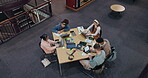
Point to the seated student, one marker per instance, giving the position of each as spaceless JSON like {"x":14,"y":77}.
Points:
{"x":105,"y":45}
{"x":63,"y":26}
{"x":46,"y":44}
{"x":96,"y":29}
{"x":96,"y":61}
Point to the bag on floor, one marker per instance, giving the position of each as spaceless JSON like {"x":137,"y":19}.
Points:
{"x":45,"y":62}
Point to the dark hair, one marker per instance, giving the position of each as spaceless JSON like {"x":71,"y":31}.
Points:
{"x":44,"y":36}
{"x":99,"y":40}
{"x":65,"y":21}
{"x":97,"y":46}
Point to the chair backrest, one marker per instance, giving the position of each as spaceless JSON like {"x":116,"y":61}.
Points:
{"x":100,"y":32}
{"x":105,"y":61}
{"x":112,"y":48}
{"x":98,"y":67}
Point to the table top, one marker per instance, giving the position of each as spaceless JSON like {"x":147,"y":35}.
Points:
{"x":62,"y":51}
{"x":117,"y":8}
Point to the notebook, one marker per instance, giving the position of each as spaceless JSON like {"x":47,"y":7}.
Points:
{"x":70,"y":45}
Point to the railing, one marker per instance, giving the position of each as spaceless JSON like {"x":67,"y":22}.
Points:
{"x":8,"y":1}
{"x":11,"y":27}
{"x":10,"y":4}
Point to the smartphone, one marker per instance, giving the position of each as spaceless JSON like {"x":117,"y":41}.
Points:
{"x":91,"y":38}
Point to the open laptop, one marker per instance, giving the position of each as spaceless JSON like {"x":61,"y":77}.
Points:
{"x":84,"y":34}
{"x":64,"y":35}
{"x":61,"y":43}
{"x":81,"y":30}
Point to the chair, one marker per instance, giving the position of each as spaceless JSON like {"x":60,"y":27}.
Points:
{"x":99,"y":69}
{"x":112,"y":56}
{"x":48,"y":56}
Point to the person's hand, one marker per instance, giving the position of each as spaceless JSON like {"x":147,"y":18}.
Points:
{"x":56,"y":42}
{"x":59,"y":32}
{"x":88,"y":34}
{"x":90,"y":56}
{"x":62,"y":30}
{"x":57,"y":45}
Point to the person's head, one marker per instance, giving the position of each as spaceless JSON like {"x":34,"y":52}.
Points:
{"x":64,"y":23}
{"x":100,"y":41}
{"x":96,"y":23}
{"x":44,"y":37}
{"x":97,"y":47}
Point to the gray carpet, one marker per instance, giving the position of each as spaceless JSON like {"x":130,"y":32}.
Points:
{"x":20,"y":56}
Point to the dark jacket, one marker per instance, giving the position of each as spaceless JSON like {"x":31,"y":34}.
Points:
{"x":59,"y":27}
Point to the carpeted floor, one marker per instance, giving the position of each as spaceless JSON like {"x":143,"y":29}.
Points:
{"x":20,"y":56}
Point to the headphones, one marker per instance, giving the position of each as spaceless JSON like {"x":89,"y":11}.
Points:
{"x":71,"y":56}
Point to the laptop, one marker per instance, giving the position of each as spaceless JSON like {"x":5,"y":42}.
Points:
{"x":84,"y":34}
{"x":61,"y":43}
{"x":79,"y":46}
{"x":64,"y":35}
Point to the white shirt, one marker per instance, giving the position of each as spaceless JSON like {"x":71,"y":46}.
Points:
{"x":97,"y":31}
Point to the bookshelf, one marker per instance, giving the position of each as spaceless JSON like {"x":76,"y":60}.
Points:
{"x":76,"y":5}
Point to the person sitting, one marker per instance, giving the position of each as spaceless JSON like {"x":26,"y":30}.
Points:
{"x":105,"y":45}
{"x":62,"y":27}
{"x":46,"y":44}
{"x":96,"y":30}
{"x":96,"y":61}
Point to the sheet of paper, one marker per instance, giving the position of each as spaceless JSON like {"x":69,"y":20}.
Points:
{"x":58,"y":34}
{"x":89,"y":53}
{"x":88,"y":41}
{"x":86,"y":48}
{"x":83,"y":54}
{"x":45,"y":62}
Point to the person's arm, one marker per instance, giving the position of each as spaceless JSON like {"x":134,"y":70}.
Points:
{"x":55,"y":29}
{"x":98,"y":31}
{"x":51,"y":41}
{"x":67,"y":28}
{"x":89,"y":27}
{"x":47,"y":48}
{"x":51,"y":49}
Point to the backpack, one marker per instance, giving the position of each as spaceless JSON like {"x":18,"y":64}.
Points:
{"x":113,"y":55}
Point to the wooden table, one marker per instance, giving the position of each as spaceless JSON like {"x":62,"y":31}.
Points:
{"x":61,"y":52}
